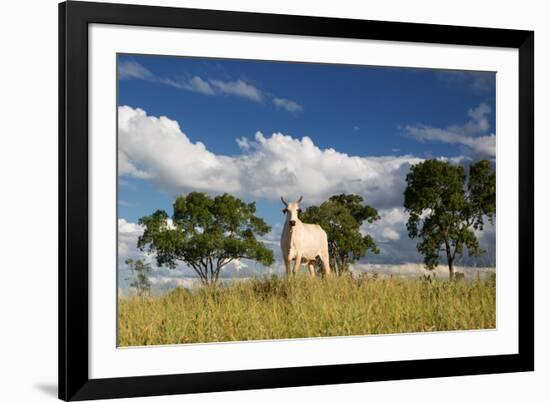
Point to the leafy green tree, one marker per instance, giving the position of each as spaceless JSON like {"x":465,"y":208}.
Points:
{"x":206,"y":233}
{"x":140,"y":281}
{"x":341,"y":217}
{"x":445,"y":207}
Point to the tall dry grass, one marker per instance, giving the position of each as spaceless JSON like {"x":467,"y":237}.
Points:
{"x":279,"y":308}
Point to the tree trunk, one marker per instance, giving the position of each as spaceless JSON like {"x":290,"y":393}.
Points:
{"x":334,"y":263}
{"x":451,"y":270}
{"x":450,"y":260}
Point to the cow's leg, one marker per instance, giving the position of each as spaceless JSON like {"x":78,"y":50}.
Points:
{"x":326,"y":265}
{"x":297,"y":263}
{"x":287,"y":266}
{"x":311,"y":267}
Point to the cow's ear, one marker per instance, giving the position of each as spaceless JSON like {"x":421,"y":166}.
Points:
{"x":285,"y":211}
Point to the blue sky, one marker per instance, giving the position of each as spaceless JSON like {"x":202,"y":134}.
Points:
{"x":251,"y":118}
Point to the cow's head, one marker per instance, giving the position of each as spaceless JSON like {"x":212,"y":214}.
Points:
{"x":291,"y":210}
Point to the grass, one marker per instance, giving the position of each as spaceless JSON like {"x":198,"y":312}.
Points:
{"x":278,"y":308}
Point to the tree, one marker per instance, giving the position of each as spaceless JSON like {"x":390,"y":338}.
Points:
{"x":205,"y":233}
{"x":445,"y":207}
{"x":341,"y":217}
{"x":140,"y":281}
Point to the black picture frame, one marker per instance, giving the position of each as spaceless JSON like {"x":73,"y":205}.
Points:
{"x":74,"y":381}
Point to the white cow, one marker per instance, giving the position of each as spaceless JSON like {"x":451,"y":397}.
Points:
{"x":302,"y":242}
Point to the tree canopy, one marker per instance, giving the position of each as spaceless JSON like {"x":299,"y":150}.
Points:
{"x":206,"y":233}
{"x":445,"y":206}
{"x":341,"y":217}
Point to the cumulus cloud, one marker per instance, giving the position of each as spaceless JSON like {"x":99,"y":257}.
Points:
{"x":128,"y":234}
{"x":155,"y":149}
{"x":396,"y":247}
{"x":472,"y":134}
{"x":288,"y":105}
{"x":244,"y":143}
{"x":390,"y":234}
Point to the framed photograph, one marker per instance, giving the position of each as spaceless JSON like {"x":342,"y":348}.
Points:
{"x":258,"y":201}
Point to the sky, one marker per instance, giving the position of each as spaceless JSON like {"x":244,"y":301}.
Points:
{"x":261,"y":130}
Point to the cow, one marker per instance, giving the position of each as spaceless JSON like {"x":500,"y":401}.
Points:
{"x":302,"y":242}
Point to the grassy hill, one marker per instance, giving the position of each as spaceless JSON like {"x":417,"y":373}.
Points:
{"x":278,"y":308}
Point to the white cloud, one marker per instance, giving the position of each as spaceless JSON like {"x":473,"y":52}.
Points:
{"x":237,"y":265}
{"x":215,"y":87}
{"x":243,"y":143}
{"x":128,"y":69}
{"x":396,"y":247}
{"x":288,"y":105}
{"x":198,"y":84}
{"x":390,"y":234}
{"x":156,"y":149}
{"x":126,"y":167}
{"x":469,"y":134}
{"x":131,"y":69}
{"x":194,"y":84}
{"x":390,"y":218}
{"x":128,"y":234}
{"x":238,"y":88}
{"x":129,"y":227}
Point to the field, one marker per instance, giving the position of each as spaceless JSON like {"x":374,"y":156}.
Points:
{"x":278,"y":308}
